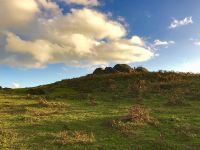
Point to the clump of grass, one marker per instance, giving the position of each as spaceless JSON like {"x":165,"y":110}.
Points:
{"x":69,"y":137}
{"x":44,"y":103}
{"x":138,"y":114}
{"x":136,"y":117}
{"x":125,"y":128}
{"x":39,"y":112}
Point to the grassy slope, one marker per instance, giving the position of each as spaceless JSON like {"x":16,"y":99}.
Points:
{"x":85,"y":107}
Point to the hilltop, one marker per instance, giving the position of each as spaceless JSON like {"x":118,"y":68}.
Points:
{"x":113,"y":108}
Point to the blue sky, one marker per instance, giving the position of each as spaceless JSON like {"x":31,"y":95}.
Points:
{"x":174,"y":48}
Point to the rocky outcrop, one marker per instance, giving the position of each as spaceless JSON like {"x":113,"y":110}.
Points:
{"x":99,"y":71}
{"x":119,"y":68}
{"x":123,"y":68}
{"x":141,"y":69}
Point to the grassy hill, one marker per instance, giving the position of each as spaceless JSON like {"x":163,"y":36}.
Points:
{"x":108,"y":111}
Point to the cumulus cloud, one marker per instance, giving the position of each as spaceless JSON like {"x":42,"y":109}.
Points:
{"x":88,"y":22}
{"x":17,"y":14}
{"x":81,"y":37}
{"x":178,"y":23}
{"x":83,"y":2}
{"x":158,"y":42}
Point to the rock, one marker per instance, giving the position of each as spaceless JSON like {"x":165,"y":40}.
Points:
{"x":110,"y":70}
{"x":141,"y":69}
{"x":98,"y":71}
{"x":123,"y":68}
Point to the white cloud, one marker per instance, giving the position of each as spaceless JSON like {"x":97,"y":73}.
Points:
{"x":82,"y":37}
{"x":16,"y":85}
{"x":177,"y":23}
{"x":197,"y":43}
{"x":88,"y":22}
{"x":158,"y":42}
{"x":137,"y":41}
{"x":83,"y":2}
{"x":15,"y":14}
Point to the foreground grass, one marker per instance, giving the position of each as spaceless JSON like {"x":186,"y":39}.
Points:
{"x":27,"y":124}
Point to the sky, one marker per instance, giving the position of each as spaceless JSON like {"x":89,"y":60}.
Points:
{"x":44,"y":41}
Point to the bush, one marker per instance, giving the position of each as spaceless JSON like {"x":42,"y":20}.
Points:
{"x":139,"y":114}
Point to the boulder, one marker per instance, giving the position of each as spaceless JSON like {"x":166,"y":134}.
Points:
{"x":98,"y":71}
{"x":110,"y":70}
{"x":141,"y":69}
{"x":123,"y":68}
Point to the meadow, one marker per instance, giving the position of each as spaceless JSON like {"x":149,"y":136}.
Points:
{"x":123,"y":111}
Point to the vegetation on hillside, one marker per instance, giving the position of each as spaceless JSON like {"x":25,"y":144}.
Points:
{"x":119,"y":110}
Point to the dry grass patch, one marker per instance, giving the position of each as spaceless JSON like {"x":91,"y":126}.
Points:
{"x":44,"y":103}
{"x":137,"y":117}
{"x":69,"y":137}
{"x":41,"y":112}
{"x":138,"y":114}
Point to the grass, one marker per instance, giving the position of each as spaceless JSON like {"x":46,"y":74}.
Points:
{"x":165,"y":114}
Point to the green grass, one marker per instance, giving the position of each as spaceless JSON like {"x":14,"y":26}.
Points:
{"x":68,"y":120}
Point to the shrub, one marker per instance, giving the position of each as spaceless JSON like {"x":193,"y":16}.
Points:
{"x":139,"y":114}
{"x":136,"y":117}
